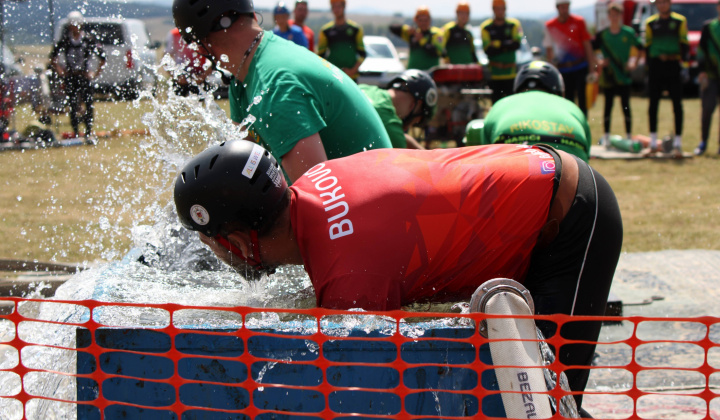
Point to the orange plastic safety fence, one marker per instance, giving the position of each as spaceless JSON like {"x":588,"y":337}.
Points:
{"x":647,"y":368}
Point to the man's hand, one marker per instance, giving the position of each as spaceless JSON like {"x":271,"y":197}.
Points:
{"x":350,"y":71}
{"x":703,"y":80}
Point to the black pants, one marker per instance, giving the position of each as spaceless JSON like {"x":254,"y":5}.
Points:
{"x":501,"y":89}
{"x":575,"y":85}
{"x":624,"y":93}
{"x":665,"y":75}
{"x":572,"y":275}
{"x":708,"y":99}
{"x":78,"y":90}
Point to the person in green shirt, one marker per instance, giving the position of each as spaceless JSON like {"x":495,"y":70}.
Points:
{"x":501,"y":38}
{"x":619,"y":46}
{"x":341,"y":41}
{"x":709,"y":63}
{"x":410,"y":101}
{"x":299,"y":106}
{"x":536,"y":113}
{"x":426,"y":41}
{"x":458,"y":41}
{"x":667,"y":50}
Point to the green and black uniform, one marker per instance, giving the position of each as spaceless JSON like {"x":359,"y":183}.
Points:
{"x":382,"y":102}
{"x":459,"y":44}
{"x":500,"y":41}
{"x":709,"y":62}
{"x":617,"y":48}
{"x":531,"y":118}
{"x":667,"y":49}
{"x":291,"y":94}
{"x":343,"y":44}
{"x":425,"y":53}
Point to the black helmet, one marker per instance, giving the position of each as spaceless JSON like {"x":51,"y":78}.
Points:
{"x":422,"y":87}
{"x":235,"y":181}
{"x":539,"y":75}
{"x":195,"y":18}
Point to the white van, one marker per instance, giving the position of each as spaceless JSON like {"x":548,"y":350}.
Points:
{"x":129,"y":54}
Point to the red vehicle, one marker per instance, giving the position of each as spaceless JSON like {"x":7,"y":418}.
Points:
{"x":697,"y":12}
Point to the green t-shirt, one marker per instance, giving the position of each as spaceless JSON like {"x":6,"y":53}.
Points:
{"x":535,"y":117}
{"x":382,"y":102}
{"x":292,"y":93}
{"x":617,"y":49}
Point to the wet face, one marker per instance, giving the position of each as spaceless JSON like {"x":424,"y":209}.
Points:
{"x":499,"y":12}
{"x":563,"y":11}
{"x":463,"y":18}
{"x":338,"y":9}
{"x":423,"y":22}
{"x":663,"y":6}
{"x":301,"y":12}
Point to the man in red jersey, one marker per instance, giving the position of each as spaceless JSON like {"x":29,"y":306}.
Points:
{"x":385,"y":228}
{"x":301,"y":13}
{"x":568,"y":46}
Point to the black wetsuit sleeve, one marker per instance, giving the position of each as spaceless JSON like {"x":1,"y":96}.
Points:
{"x":396,"y":29}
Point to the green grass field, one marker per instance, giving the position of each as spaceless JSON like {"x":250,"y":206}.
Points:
{"x":79,"y":203}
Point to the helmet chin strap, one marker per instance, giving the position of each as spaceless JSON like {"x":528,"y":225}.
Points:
{"x":254,"y":261}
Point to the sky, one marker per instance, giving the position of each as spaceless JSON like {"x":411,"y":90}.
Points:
{"x":440,"y":8}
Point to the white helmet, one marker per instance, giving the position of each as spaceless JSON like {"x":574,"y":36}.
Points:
{"x":75,"y":18}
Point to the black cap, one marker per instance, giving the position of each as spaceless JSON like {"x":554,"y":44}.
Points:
{"x":195,"y":18}
{"x":539,"y":75}
{"x":235,"y":181}
{"x":422,"y":87}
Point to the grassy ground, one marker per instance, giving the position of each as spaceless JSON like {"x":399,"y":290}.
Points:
{"x":78,"y":204}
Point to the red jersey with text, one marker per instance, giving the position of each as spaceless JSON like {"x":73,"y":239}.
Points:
{"x":386,"y":228}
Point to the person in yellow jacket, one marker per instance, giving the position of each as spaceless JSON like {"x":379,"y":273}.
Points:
{"x":341,"y":41}
{"x":458,"y":41}
{"x":426,"y":41}
{"x":501,"y":38}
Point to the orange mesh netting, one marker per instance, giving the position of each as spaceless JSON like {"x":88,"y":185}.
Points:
{"x":309,"y":363}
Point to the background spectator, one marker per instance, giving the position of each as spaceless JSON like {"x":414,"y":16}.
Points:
{"x":426,"y":43}
{"x":567,"y":46}
{"x":77,"y":48}
{"x":301,"y":12}
{"x":501,"y":37}
{"x":619,"y":46}
{"x":284,"y":30}
{"x":667,"y":49}
{"x":341,"y":41}
{"x":458,"y":41}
